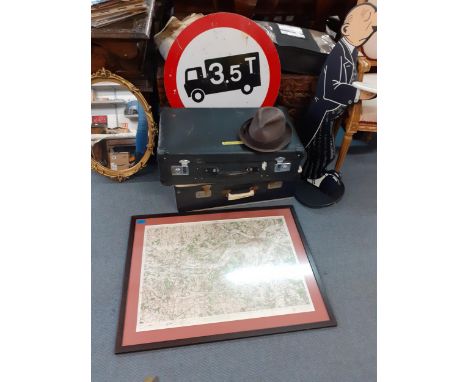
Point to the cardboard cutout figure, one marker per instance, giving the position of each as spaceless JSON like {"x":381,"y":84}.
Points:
{"x":334,"y":94}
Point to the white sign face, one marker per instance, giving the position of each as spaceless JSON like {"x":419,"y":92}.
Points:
{"x":223,"y":64}
{"x":222,"y":60}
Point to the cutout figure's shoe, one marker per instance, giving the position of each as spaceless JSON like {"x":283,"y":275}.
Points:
{"x":330,"y":191}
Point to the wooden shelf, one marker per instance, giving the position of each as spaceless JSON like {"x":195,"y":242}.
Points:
{"x":109,"y":102}
{"x":107,"y":85}
{"x":113,"y":136}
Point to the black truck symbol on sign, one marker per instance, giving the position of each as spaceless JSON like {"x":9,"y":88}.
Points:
{"x":223,"y":74}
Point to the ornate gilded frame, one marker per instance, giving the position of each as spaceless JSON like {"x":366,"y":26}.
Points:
{"x":120,"y":175}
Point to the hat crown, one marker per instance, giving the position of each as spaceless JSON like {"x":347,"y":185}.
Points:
{"x":267,"y":131}
{"x":268,"y":125}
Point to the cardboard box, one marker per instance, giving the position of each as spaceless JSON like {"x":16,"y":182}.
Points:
{"x":98,"y":130}
{"x":115,"y":167}
{"x":119,"y":160}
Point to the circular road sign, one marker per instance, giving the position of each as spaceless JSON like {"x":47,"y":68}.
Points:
{"x":222,"y":60}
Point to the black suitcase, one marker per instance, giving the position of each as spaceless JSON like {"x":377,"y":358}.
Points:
{"x":199,"y":146}
{"x":202,"y":196}
{"x":300,"y":50}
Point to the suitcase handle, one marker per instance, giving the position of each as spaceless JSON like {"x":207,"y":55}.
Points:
{"x":236,"y":173}
{"x":241,"y":195}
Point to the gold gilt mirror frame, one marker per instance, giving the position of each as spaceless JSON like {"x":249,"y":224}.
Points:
{"x":120,"y":175}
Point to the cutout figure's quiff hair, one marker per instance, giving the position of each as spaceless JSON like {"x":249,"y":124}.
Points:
{"x":349,"y":15}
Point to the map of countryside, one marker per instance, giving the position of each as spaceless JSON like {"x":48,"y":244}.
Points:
{"x":219,"y":270}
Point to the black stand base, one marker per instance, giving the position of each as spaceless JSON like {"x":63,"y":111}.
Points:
{"x":312,"y":197}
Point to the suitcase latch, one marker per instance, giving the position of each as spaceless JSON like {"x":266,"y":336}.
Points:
{"x":281,"y":165}
{"x":183,"y":169}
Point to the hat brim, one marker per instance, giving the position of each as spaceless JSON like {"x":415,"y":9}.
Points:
{"x":263,"y":147}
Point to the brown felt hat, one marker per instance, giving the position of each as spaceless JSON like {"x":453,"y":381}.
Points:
{"x":267,"y":131}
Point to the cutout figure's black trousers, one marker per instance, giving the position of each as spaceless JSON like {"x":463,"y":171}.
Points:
{"x":320,"y":152}
{"x":316,"y":132}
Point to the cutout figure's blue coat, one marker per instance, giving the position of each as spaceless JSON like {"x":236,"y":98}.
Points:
{"x":334,"y":90}
{"x":333,"y":94}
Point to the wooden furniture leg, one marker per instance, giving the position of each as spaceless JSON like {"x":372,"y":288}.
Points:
{"x":353,"y":120}
{"x":336,"y":126}
{"x":344,"y":149}
{"x":351,"y":127}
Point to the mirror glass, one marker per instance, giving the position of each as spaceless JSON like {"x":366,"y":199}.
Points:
{"x":119,"y":126}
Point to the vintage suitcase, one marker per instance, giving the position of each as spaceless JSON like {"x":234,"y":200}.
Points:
{"x":300,"y":50}
{"x":202,"y":196}
{"x":199,"y":146}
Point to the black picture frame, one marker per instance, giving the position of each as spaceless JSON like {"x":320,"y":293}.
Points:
{"x":119,"y":348}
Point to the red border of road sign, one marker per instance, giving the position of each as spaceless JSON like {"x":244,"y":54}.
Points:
{"x":220,"y":20}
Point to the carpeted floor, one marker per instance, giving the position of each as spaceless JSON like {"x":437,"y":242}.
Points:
{"x":343,"y":243}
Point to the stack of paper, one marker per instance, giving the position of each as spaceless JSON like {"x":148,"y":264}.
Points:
{"x":105,"y":12}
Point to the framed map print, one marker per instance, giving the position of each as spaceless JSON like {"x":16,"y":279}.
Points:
{"x":209,"y":276}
